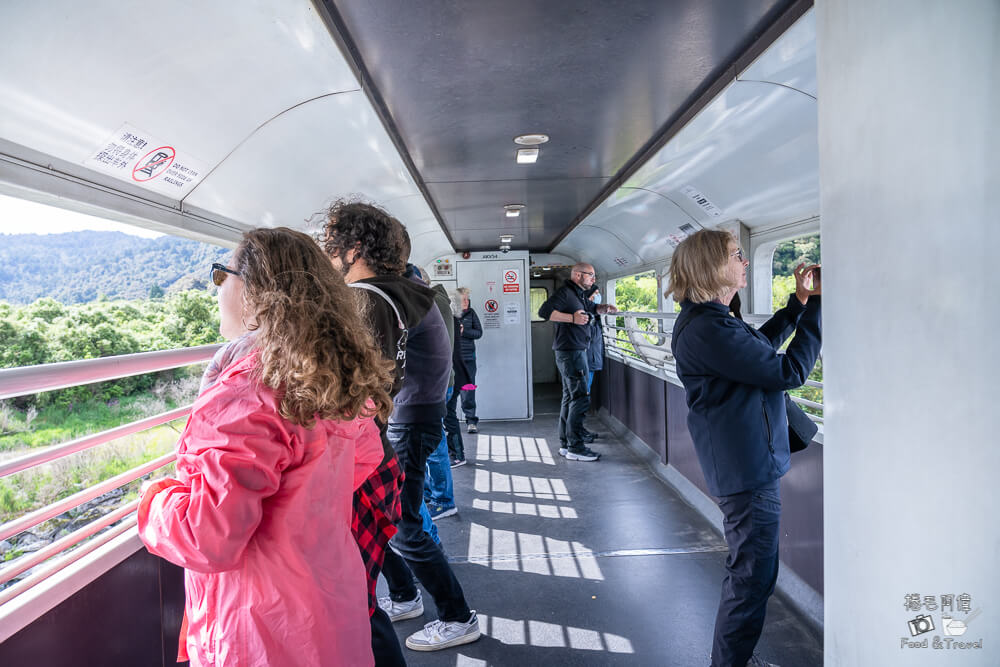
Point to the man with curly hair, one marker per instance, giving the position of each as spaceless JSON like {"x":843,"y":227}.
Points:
{"x":368,"y":246}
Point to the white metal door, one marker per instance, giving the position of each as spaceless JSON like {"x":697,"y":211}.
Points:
{"x":499,"y":295}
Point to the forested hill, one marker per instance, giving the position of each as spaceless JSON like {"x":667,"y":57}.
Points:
{"x":77,"y":267}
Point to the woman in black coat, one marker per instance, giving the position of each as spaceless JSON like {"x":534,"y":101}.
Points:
{"x":735,"y":381}
{"x":471,"y":331}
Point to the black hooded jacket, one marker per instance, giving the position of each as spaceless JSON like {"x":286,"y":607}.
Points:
{"x":423,"y":359}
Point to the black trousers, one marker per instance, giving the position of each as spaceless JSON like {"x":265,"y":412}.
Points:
{"x":572,"y":365}
{"x":413,"y":551}
{"x":456,"y":447}
{"x":751,"y":521}
{"x":469,"y":397}
{"x":385,"y":644}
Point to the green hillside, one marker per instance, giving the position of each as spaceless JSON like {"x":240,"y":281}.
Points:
{"x":78,"y":267}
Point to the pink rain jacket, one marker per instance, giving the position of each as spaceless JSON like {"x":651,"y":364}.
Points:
{"x":260,"y":517}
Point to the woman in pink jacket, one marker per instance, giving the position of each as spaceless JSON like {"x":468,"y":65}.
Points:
{"x":259,"y":514}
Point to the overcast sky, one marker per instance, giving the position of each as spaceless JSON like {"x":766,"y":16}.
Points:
{"x":20,"y":216}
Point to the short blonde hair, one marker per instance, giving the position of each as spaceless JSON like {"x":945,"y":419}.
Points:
{"x":698,"y":267}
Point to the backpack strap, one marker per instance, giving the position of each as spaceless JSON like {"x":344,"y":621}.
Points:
{"x":403,"y":333}
{"x":376,"y":290}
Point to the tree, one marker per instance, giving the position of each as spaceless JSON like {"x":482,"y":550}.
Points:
{"x":155,"y":292}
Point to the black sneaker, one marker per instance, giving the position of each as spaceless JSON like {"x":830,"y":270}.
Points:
{"x":584,"y":454}
{"x":455,"y":463}
{"x":590,"y":437}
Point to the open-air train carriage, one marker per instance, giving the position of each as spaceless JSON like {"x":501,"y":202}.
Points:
{"x":513,"y":140}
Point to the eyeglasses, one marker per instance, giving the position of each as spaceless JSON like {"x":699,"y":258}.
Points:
{"x":738,"y":253}
{"x":586,"y":273}
{"x":218,"y":273}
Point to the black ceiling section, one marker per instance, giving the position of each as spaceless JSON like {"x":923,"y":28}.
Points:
{"x":458,"y":80}
{"x":474,"y":215}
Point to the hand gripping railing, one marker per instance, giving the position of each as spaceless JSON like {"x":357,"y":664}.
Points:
{"x":654,"y":356}
{"x":46,"y":377}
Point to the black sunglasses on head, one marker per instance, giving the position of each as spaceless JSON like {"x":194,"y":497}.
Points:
{"x":218,"y":273}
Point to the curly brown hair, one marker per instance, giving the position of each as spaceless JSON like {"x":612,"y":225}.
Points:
{"x":376,"y":235}
{"x":314,"y":347}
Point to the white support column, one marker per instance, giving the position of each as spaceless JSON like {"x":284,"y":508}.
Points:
{"x":909,"y":140}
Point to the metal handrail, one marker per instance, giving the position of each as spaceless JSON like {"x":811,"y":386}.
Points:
{"x":47,"y":377}
{"x":55,"y":509}
{"x":25,"y":563}
{"x":67,"y":560}
{"x":86,"y":442}
{"x":666,"y":364}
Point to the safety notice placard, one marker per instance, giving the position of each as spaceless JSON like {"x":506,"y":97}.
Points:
{"x":135,"y":156}
{"x":511,"y":312}
{"x":511,"y":281}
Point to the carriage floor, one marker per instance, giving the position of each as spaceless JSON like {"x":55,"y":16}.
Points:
{"x":573,"y":563}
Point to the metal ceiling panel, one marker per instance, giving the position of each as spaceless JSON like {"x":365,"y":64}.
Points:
{"x":201,"y":75}
{"x":791,"y":60}
{"x":460,"y":80}
{"x":646,"y":222}
{"x":751,"y":154}
{"x":295,"y":165}
{"x":475,"y":216}
{"x":608,"y":252}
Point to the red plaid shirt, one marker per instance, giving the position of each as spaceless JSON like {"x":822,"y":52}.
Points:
{"x":373,"y":522}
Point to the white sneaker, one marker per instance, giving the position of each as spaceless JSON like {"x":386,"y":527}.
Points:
{"x":562,"y":451}
{"x":438,"y":635}
{"x":400,"y":611}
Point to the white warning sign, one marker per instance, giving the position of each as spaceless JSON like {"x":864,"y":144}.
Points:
{"x":511,"y":281}
{"x":134,"y":156}
{"x":511,"y":312}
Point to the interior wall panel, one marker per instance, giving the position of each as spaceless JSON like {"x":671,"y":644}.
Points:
{"x":131,"y":615}
{"x":633,"y":400}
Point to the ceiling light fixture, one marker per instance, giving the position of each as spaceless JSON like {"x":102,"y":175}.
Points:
{"x":513,"y":210}
{"x":531,"y":139}
{"x":527,"y":155}
{"x":506,"y":238}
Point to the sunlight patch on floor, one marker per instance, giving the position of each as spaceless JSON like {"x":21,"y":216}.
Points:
{"x":522,"y":486}
{"x":512,"y":448}
{"x":516,"y":551}
{"x":520,"y":632}
{"x":526,"y":509}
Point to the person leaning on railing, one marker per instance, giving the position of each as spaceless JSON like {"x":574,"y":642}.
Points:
{"x":735,"y":381}
{"x":284,"y":427}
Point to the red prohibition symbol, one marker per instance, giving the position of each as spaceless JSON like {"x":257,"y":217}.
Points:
{"x":492,"y":306}
{"x":510,"y":277}
{"x":153,"y":163}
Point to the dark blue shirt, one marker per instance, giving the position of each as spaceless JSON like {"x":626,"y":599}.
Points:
{"x":735,"y":379}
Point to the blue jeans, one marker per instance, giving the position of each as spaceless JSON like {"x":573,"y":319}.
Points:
{"x":751,"y":520}
{"x":439,"y":488}
{"x":429,"y":526}
{"x":590,"y":381}
{"x":413,"y":551}
{"x":572,"y":366}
